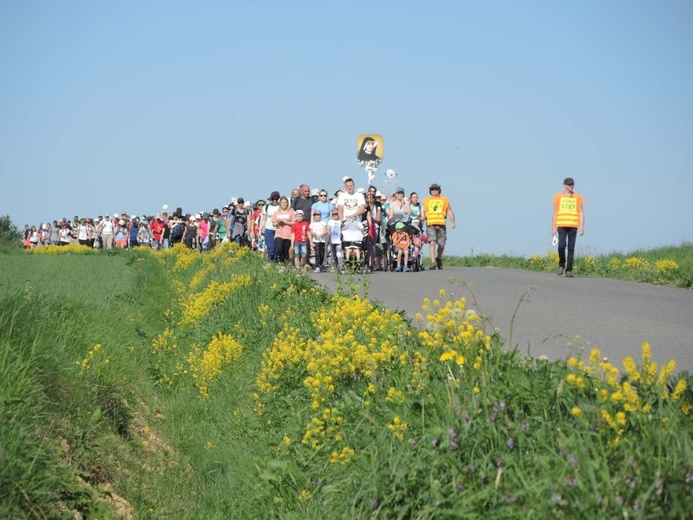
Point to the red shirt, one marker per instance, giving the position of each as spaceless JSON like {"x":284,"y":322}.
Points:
{"x":157,"y":228}
{"x":300,"y":231}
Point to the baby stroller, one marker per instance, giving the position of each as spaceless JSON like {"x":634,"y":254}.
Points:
{"x":413,"y":228}
{"x":352,"y":244}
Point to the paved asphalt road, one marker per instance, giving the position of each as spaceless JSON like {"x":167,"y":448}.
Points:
{"x":559,"y":315}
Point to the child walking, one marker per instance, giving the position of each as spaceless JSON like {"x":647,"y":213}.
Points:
{"x":318,"y":232}
{"x":335,"y":228}
{"x":299,"y":240}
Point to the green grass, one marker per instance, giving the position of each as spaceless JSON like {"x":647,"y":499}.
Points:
{"x":103,"y":409}
{"x":672,"y":265}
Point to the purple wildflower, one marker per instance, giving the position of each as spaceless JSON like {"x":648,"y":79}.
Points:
{"x":454,"y":444}
{"x":570,"y":482}
{"x":525,"y":426}
{"x":374,"y":503}
{"x":434,"y":442}
{"x":412,"y":443}
{"x":510,"y":443}
{"x":572,"y":460}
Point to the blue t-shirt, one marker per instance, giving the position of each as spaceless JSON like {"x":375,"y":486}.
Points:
{"x":324,"y":208}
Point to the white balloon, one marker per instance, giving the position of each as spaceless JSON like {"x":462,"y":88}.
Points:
{"x":390,"y":173}
{"x":165,"y":206}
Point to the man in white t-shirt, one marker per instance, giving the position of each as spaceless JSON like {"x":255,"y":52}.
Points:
{"x":106,"y":230}
{"x":351,"y":205}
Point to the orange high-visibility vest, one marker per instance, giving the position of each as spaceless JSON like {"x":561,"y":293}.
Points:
{"x":567,"y":209}
{"x":436,"y":209}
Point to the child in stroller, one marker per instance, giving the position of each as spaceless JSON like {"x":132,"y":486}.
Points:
{"x":413,"y":259}
{"x":400,"y":244}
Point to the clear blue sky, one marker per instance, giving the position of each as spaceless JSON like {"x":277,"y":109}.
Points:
{"x":126,"y":106}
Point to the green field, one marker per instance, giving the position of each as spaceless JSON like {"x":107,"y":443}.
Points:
{"x":179,"y":385}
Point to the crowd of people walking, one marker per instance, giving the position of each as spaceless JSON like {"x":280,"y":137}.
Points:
{"x":310,"y":227}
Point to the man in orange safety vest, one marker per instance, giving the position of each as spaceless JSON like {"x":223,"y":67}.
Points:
{"x":568,"y":221}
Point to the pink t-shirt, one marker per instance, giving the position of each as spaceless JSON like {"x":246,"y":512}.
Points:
{"x":287,"y":217}
{"x":204,"y":229}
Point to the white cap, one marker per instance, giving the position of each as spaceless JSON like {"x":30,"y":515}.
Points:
{"x":115,"y":215}
{"x":234,"y":200}
{"x":345,"y":178}
{"x":121,"y":222}
{"x":361,"y":190}
{"x":378,"y":193}
{"x":299,"y":212}
{"x":314,"y":192}
{"x":197,"y":216}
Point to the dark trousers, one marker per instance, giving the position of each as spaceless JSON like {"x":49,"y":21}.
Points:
{"x":566,"y":236}
{"x":281,"y":249}
{"x":269,"y":244}
{"x":319,"y":254}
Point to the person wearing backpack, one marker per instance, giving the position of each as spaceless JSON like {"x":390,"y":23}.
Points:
{"x":177,"y":229}
{"x":239,"y":223}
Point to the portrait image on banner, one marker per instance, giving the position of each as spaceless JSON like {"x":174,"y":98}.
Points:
{"x":369,"y":149}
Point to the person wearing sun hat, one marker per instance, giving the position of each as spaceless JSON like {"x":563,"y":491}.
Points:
{"x":568,"y":220}
{"x":436,"y":210}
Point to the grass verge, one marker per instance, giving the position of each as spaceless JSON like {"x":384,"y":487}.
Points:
{"x":219,"y":385}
